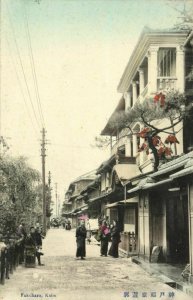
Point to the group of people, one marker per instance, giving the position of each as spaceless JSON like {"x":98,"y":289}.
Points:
{"x":33,"y":239}
{"x":106,"y":233}
{"x":109,"y":233}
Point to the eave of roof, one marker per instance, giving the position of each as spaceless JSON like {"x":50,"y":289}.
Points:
{"x":106,"y":165}
{"x":108,"y":129}
{"x":91,"y":186}
{"x":122,"y":202}
{"x":148,"y":37}
{"x":183,"y":166}
{"x":190,"y":36}
{"x":173,"y":165}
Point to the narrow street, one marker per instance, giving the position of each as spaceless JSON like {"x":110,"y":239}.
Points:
{"x":64,"y":277}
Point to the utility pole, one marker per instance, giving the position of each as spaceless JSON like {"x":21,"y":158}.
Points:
{"x":43,"y":155}
{"x":49,"y":198}
{"x":56,"y":194}
{"x":49,"y":179}
{"x":58,"y":205}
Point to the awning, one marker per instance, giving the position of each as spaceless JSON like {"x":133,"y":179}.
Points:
{"x":131,"y":200}
{"x":157,"y":184}
{"x":112,"y":205}
{"x":175,"y":164}
{"x":83,"y":208}
{"x":125,"y":171}
{"x":184,"y":172}
{"x":133,"y":190}
{"x":122,"y":202}
{"x":97,"y":198}
{"x":147,"y":186}
{"x":143,"y":182}
{"x":91,"y":186}
{"x":168,"y":169}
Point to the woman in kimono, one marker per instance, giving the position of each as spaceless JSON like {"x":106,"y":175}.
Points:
{"x":115,"y":236}
{"x":104,"y":233}
{"x":80,"y":240}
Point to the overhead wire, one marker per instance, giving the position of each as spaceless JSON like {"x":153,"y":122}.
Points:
{"x":21,"y":88}
{"x":32,"y":62}
{"x":21,"y":64}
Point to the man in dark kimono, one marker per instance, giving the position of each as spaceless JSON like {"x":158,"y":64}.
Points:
{"x":80,"y":240}
{"x":115,"y":236}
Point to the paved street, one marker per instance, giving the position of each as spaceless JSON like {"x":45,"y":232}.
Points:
{"x":97,"y":277}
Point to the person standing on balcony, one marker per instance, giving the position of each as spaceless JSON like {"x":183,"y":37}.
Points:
{"x":115,"y":236}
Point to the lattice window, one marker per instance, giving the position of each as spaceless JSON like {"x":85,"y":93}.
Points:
{"x":167,"y":62}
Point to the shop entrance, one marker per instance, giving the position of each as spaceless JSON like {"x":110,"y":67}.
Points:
{"x":177,"y":229}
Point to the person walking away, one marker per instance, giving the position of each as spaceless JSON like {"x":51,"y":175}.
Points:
{"x":38,"y":239}
{"x":80,"y":240}
{"x":115,"y":236}
{"x":104,"y":233}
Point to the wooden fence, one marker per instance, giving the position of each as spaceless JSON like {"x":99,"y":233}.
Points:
{"x":9,"y":260}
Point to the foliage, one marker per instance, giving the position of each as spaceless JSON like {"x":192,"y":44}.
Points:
{"x":171,"y":106}
{"x":19,"y":198}
{"x":152,"y":109}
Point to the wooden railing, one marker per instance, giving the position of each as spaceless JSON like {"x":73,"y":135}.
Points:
{"x":128,"y":243}
{"x":9,"y":260}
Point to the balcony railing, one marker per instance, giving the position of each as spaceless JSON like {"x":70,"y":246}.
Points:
{"x":166,"y":83}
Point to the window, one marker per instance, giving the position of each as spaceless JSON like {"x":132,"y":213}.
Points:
{"x":167,"y":62}
{"x":121,"y":150}
{"x":129,"y":220}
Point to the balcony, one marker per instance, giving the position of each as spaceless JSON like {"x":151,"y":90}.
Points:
{"x":122,"y":141}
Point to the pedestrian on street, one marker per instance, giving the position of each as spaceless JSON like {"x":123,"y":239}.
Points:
{"x":115,"y":236}
{"x":104,"y":233}
{"x":80,"y":240}
{"x":38,"y":240}
{"x":30,"y":248}
{"x":21,"y":232}
{"x":88,"y":231}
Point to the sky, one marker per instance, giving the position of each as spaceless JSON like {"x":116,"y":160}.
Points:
{"x":80,"y":49}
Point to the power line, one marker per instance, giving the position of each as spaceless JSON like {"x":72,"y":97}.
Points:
{"x":21,"y":89}
{"x":33,"y":66}
{"x":0,"y":74}
{"x":43,"y":155}
{"x":21,"y":64}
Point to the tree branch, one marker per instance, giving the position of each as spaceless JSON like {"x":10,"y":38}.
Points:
{"x":168,"y":127}
{"x":146,"y":123}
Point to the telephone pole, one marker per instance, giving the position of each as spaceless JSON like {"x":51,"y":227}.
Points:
{"x":58,"y":206}
{"x":43,"y":155}
{"x":56,"y":194}
{"x":49,"y":179}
